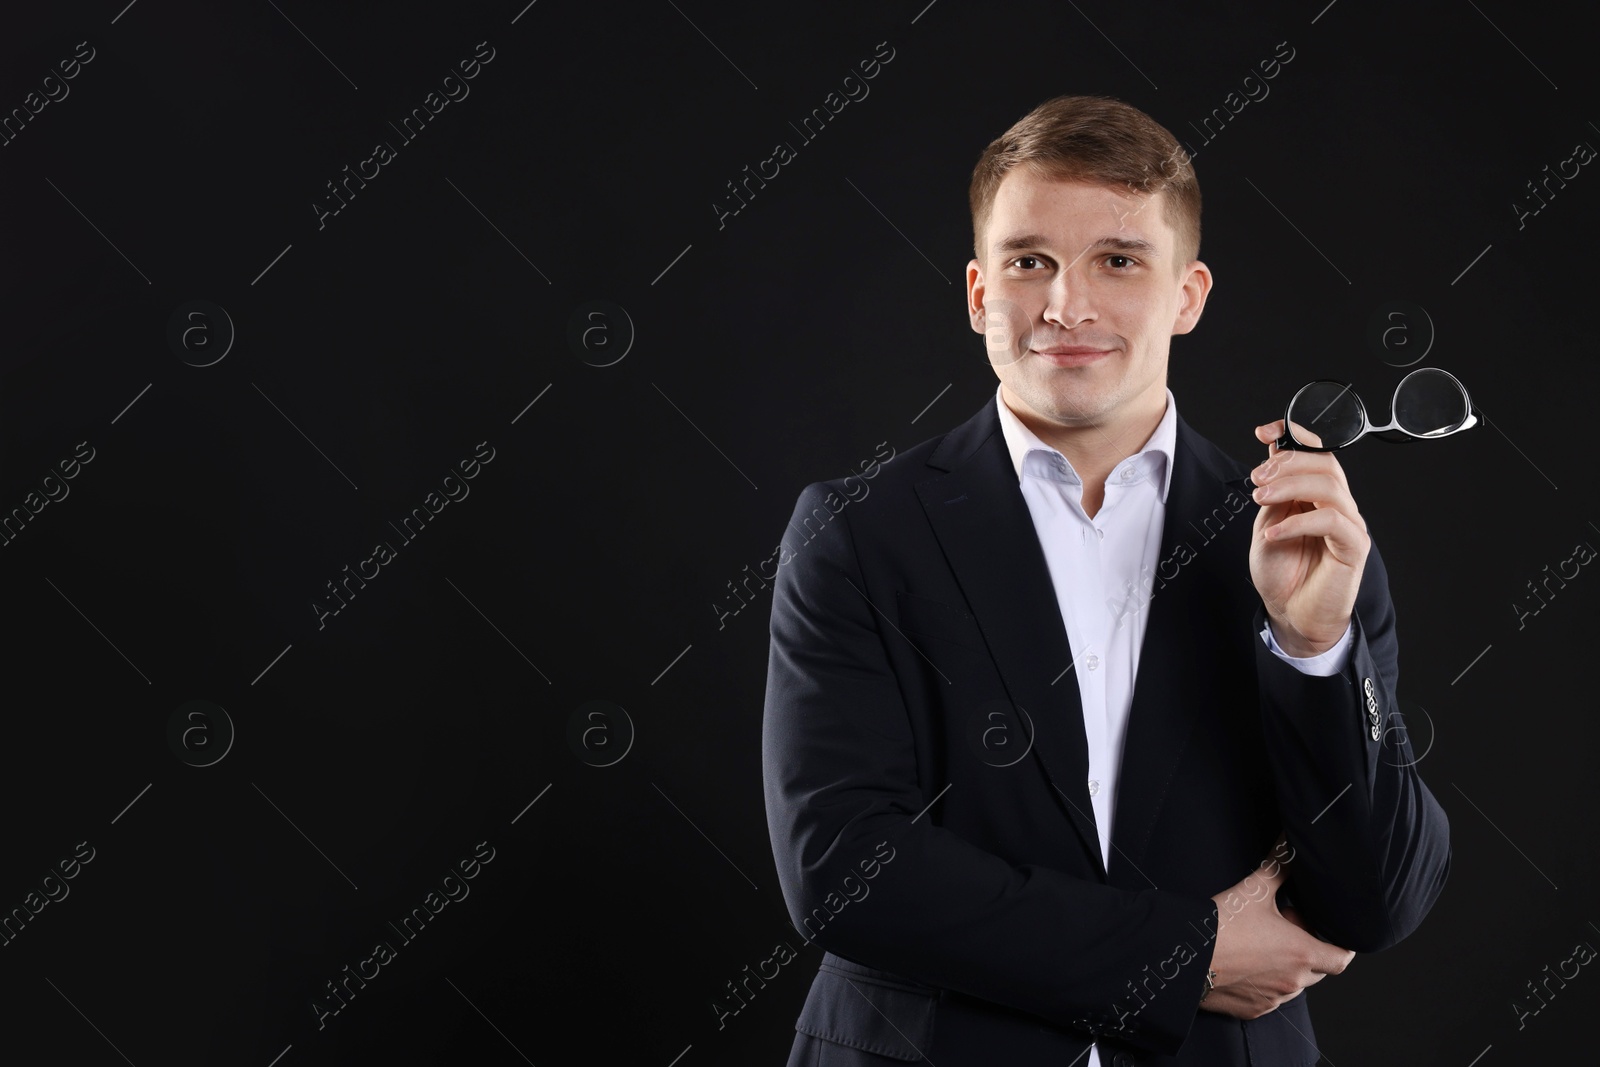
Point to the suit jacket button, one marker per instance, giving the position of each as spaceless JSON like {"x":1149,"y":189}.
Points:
{"x":1122,"y":1059}
{"x":1366,"y":685}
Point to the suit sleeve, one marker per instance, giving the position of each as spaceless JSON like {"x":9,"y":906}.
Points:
{"x":1371,"y":844}
{"x":842,"y":779}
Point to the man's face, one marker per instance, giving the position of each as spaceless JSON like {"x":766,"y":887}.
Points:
{"x":1071,"y":265}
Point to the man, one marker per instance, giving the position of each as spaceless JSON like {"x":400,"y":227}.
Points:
{"x":1039,"y":705}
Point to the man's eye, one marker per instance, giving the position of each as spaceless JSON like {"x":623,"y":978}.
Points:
{"x":1023,"y":259}
{"x":1124,"y":259}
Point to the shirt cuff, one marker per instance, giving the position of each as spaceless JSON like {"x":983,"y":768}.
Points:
{"x":1322,"y":664}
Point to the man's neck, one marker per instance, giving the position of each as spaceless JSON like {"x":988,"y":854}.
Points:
{"x":1092,"y":450}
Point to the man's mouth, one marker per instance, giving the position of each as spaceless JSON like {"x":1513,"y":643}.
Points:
{"x":1070,"y":355}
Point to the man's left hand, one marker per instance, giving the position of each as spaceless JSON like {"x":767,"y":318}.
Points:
{"x":1308,"y":546}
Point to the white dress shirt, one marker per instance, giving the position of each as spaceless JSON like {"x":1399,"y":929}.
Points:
{"x":1096,"y":565}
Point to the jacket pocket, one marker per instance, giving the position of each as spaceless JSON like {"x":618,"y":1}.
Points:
{"x":863,"y":1008}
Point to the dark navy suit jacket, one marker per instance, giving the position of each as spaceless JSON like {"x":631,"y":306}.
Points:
{"x":925,"y":771}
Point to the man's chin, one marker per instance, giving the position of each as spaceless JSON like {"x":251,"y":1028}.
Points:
{"x":1074,"y":406}
{"x":1068,"y":414}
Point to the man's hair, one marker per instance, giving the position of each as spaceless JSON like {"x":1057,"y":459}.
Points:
{"x":1093,"y":139}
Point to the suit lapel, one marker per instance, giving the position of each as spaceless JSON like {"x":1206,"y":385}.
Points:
{"x":1178,"y":649}
{"x":982,"y":521}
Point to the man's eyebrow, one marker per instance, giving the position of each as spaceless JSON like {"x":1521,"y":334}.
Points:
{"x":1020,"y":242}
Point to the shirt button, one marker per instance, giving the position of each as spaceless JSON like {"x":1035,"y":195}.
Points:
{"x":1094,"y":787}
{"x":1127,"y":474}
{"x":1101,"y":532}
{"x":1091,"y":661}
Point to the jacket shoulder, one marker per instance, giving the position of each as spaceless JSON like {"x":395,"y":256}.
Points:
{"x":888,"y":468}
{"x":1222,"y":464}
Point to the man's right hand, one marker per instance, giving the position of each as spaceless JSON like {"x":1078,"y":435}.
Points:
{"x":1264,"y":958}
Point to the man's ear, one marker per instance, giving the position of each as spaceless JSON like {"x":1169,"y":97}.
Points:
{"x":975,"y":295}
{"x":1194,"y":289}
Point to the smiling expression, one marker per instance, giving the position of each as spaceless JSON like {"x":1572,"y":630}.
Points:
{"x":1078,"y":301}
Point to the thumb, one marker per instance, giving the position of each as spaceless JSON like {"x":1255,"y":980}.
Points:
{"x":1273,"y":871}
{"x":1327,"y":957}
{"x":1276,"y":863}
{"x":1331,"y":958}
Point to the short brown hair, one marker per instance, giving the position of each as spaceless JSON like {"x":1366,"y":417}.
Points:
{"x":1094,"y":139}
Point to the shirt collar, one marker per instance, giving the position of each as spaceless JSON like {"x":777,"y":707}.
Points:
{"x":1157,"y":451}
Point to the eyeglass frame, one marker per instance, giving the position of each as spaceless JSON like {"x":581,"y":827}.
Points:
{"x":1392,"y":432}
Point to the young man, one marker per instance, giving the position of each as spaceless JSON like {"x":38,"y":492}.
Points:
{"x":1039,"y":705}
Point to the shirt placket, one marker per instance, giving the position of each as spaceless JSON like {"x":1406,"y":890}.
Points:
{"x":1093,"y":667}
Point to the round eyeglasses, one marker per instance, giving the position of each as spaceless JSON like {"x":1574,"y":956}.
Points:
{"x":1427,"y":403}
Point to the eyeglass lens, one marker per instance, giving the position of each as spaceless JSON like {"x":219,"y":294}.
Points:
{"x":1428,"y":403}
{"x":1330,"y":410}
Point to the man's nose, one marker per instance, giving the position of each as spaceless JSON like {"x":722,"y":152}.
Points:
{"x":1069,"y":303}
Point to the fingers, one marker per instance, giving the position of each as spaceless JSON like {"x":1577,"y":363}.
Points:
{"x":1270,"y":432}
{"x":1268,"y":435}
{"x":1305,"y":436}
{"x":1281,"y":464}
{"x":1318,"y":484}
{"x":1346,"y":539}
{"x":1324,"y":488}
{"x":1288,"y":481}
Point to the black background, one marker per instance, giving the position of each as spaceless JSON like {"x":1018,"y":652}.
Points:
{"x":826,"y":317}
